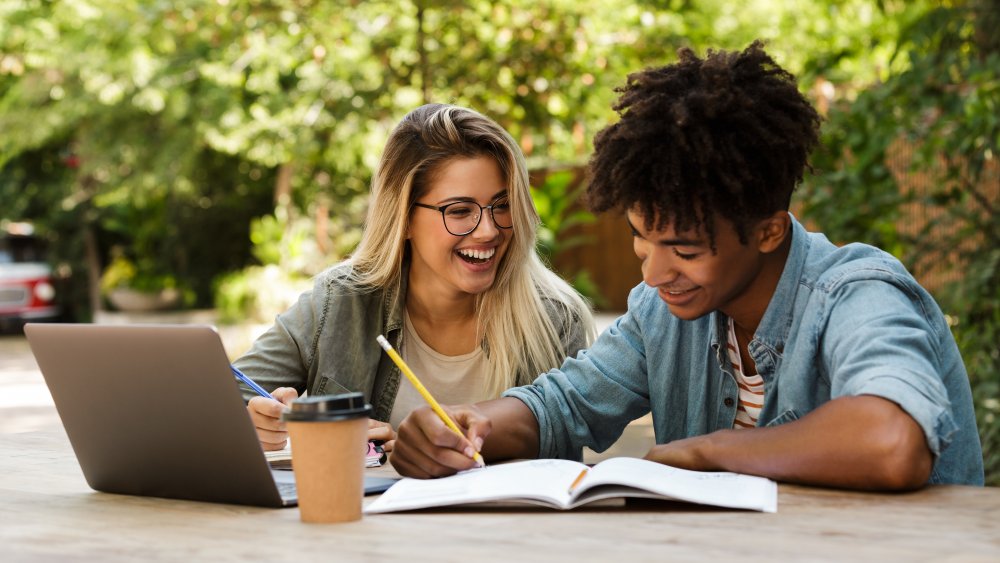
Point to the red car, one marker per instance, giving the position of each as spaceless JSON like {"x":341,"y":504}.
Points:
{"x":27,"y":290}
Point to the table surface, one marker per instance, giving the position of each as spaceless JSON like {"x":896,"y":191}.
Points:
{"x":47,"y":511}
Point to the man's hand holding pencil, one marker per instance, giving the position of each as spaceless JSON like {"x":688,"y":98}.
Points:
{"x":427,"y":447}
{"x":469,"y":446}
{"x":499,"y":429}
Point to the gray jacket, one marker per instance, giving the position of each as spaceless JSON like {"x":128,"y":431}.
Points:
{"x":325,"y":343}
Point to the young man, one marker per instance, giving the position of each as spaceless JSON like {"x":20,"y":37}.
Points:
{"x":759,"y":347}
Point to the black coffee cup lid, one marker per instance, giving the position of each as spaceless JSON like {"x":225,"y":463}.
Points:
{"x":326,"y":408}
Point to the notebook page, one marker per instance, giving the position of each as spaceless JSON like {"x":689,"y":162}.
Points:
{"x":543,"y":481}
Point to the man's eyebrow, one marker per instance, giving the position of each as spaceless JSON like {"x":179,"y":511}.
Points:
{"x":681,"y":242}
{"x":671,"y":241}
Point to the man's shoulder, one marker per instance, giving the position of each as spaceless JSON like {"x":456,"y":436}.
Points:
{"x":862,"y":275}
{"x":829,"y":267}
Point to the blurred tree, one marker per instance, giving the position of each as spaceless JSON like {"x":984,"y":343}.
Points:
{"x":167,"y":126}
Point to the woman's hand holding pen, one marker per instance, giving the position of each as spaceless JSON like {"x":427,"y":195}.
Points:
{"x":382,"y":431}
{"x":426,"y":447}
{"x":266,"y":416}
{"x":273,"y":434}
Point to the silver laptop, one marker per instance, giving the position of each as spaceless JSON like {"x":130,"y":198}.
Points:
{"x":154,"y":410}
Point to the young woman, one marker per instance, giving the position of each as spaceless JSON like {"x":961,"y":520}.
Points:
{"x":446,"y":270}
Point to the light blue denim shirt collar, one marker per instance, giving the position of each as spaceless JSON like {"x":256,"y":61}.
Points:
{"x":769,"y":339}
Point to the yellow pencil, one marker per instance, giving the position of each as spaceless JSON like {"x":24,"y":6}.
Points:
{"x":424,"y":392}
{"x":576,"y":481}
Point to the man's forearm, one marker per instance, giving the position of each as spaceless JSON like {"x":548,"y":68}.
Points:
{"x":514,"y":432}
{"x":863,"y":442}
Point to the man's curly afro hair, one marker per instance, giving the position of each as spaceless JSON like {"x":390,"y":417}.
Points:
{"x":729,"y":134}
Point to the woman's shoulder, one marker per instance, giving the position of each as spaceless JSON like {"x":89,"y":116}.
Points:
{"x":339,"y":273}
{"x":564,"y":309}
{"x":558,"y":307}
{"x":340,"y":281}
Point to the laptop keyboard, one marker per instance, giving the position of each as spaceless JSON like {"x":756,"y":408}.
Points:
{"x":287,"y":490}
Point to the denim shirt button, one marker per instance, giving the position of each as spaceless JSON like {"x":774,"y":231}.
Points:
{"x":728,"y":402}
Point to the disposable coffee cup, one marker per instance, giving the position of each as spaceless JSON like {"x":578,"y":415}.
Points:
{"x":330,"y":433}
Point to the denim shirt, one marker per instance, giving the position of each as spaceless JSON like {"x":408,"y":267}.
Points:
{"x":843,"y":322}
{"x":325,"y":343}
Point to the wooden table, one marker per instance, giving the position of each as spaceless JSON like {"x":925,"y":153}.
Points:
{"x":48,"y":512}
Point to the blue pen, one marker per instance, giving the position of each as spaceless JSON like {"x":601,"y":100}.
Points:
{"x":375,"y":455}
{"x":250,"y":383}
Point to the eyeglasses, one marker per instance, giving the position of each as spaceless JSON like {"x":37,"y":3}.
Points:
{"x":462,"y":217}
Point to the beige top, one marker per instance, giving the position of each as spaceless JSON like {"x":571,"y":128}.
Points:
{"x":450,"y":379}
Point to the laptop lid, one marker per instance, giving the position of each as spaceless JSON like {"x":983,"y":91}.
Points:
{"x":153,"y":410}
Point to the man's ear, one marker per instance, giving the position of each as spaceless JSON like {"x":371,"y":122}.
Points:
{"x":772,"y":231}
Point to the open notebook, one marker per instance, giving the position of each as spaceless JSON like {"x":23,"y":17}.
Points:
{"x":154,"y":410}
{"x":563,"y":484}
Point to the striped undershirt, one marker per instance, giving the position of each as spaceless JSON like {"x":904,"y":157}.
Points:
{"x":751,"y":386}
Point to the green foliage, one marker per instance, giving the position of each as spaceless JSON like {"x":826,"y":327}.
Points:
{"x":270,"y":243}
{"x":557,"y":202}
{"x":289,"y":248}
{"x":122,"y":273}
{"x":977,"y":339}
{"x":162,"y":126}
{"x":257,"y":293}
{"x":854,"y":195}
{"x":944,"y":108}
{"x":119,"y":273}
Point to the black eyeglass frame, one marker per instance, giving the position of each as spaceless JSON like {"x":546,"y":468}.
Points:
{"x":482,"y":209}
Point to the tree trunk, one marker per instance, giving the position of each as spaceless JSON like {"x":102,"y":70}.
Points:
{"x":425,"y":87}
{"x":283,"y":185}
{"x":92,"y":259}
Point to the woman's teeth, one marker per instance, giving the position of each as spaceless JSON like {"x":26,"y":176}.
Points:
{"x":477,"y":255}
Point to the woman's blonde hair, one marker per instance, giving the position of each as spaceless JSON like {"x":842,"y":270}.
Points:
{"x":517,"y":332}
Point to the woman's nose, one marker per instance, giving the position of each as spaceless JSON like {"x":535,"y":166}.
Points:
{"x":486,"y":228}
